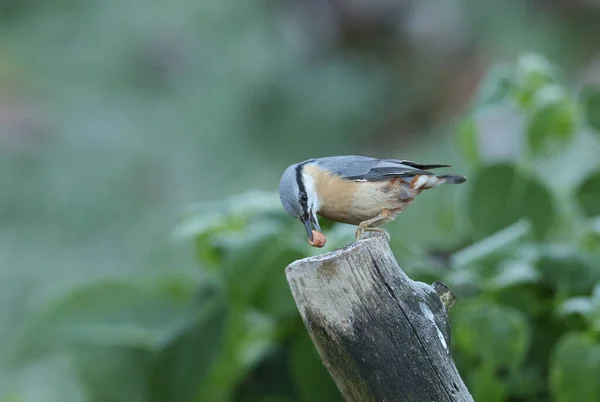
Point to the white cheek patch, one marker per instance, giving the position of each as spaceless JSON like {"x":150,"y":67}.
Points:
{"x":311,"y":193}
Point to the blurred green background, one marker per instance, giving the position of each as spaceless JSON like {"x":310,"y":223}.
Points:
{"x":143,"y":246}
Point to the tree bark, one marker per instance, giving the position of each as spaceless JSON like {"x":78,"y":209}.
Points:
{"x":381,"y":335}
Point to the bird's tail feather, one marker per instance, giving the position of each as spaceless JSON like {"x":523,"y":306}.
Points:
{"x":423,"y":182}
{"x":452,"y":179}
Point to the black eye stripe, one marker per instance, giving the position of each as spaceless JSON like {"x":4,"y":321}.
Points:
{"x":303,"y":200}
{"x":302,"y":190}
{"x":299,"y":178}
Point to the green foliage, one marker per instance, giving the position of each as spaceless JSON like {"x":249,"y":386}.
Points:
{"x":586,"y":307}
{"x":311,"y":377}
{"x":575,"y":361}
{"x":537,"y":282}
{"x":466,"y":133}
{"x":499,"y":84}
{"x":532,"y":74}
{"x":552,"y":114}
{"x":117,"y":329}
{"x":105,"y":314}
{"x":591,"y":100}
{"x":523,"y":275}
{"x":500,"y":333}
{"x":587,"y":195}
{"x":502,"y":338}
{"x":188,"y":355}
{"x":554,"y":117}
{"x":567,"y":270}
{"x":501,"y":195}
{"x":520,"y":249}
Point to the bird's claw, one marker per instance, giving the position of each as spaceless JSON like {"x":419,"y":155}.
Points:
{"x":360,"y":232}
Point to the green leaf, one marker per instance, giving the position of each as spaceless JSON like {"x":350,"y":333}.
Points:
{"x":495,"y":335}
{"x":500,"y":196}
{"x":529,"y":298}
{"x":595,"y":225}
{"x":574,"y":369}
{"x":115,"y":374}
{"x":596,"y":295}
{"x":466,"y":134}
{"x":567,"y":269}
{"x":250,"y":337}
{"x":270,"y":380}
{"x":588,"y":195}
{"x":576,"y":305}
{"x":273,"y":296}
{"x":187,"y":357}
{"x":553,"y":120}
{"x":493,"y":246}
{"x":51,"y":378}
{"x":484,"y":385}
{"x":591,"y":102}
{"x":208,"y":252}
{"x":590,"y":240}
{"x":208,"y":223}
{"x":311,"y":377}
{"x":513,"y":273}
{"x":533,"y":72}
{"x":263,"y":244}
{"x":223,"y":214}
{"x":595,"y":314}
{"x":496,"y":86}
{"x":110,"y":313}
{"x":526,"y":384}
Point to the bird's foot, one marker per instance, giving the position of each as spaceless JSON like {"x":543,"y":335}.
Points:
{"x":362,"y":229}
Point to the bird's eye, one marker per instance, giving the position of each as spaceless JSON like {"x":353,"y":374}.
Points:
{"x":303,"y":197}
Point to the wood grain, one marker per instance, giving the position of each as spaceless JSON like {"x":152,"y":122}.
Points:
{"x":381,"y":335}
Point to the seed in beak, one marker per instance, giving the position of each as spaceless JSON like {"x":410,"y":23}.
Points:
{"x":318,"y":240}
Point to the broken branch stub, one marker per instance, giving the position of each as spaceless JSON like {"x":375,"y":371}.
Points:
{"x":381,"y":335}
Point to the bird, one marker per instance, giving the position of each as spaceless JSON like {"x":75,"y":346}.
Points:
{"x":356,"y":190}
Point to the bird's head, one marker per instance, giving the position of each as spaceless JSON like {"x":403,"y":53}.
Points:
{"x":299,"y":197}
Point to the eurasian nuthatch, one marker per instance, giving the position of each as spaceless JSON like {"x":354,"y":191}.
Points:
{"x":357,"y":190}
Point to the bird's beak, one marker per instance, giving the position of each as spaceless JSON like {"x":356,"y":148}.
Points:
{"x":308,"y":227}
{"x":315,"y":221}
{"x":311,"y":219}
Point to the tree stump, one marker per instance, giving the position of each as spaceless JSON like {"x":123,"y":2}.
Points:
{"x":381,"y":335}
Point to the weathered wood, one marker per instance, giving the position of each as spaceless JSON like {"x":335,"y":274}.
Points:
{"x":381,"y":335}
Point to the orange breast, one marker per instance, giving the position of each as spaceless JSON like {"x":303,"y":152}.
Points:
{"x":353,"y":202}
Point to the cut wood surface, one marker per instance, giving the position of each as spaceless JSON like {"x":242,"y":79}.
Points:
{"x":381,"y":335}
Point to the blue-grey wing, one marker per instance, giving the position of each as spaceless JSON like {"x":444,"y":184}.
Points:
{"x":362,"y":168}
